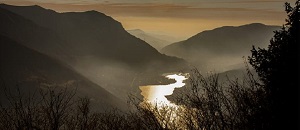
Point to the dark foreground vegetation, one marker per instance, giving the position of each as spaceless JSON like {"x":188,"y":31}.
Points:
{"x":271,"y":102}
{"x":206,"y":104}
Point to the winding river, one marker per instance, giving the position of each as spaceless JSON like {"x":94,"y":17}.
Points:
{"x":156,"y":94}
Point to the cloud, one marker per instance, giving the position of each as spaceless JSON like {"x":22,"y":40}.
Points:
{"x":184,"y":11}
{"x":181,"y":19}
{"x":165,"y":10}
{"x":204,"y":9}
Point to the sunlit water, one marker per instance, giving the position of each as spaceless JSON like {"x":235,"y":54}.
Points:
{"x":156,"y":94}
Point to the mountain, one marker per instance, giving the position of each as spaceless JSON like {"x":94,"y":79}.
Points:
{"x":91,"y":33}
{"x":157,"y":43}
{"x":31,"y":35}
{"x":167,"y":37}
{"x":91,"y":43}
{"x":32,"y":71}
{"x":87,"y":33}
{"x":222,"y":48}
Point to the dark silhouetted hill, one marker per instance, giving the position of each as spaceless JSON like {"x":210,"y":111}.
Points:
{"x":92,"y":33}
{"x":30,"y":71}
{"x":221,"y":48}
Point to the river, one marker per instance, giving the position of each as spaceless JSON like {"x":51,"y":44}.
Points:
{"x":156,"y":94}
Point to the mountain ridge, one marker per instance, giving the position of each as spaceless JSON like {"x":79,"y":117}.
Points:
{"x":155,"y":42}
{"x":211,"y":49}
{"x":64,"y":25}
{"x":89,"y":44}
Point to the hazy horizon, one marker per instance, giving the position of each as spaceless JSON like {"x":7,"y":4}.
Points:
{"x":181,"y":19}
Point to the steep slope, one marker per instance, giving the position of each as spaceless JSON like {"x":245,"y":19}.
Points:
{"x":157,"y":43}
{"x":31,"y":71}
{"x":93,"y":44}
{"x":221,"y":48}
{"x":92,"y":33}
{"x":31,"y":35}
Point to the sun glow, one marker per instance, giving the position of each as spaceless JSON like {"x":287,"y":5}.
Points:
{"x":155,"y":94}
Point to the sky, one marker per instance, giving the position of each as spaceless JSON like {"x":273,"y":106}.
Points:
{"x":178,"y":18}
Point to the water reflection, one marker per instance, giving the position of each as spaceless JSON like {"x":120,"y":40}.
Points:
{"x":156,"y":94}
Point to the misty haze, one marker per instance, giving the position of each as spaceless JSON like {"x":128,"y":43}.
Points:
{"x":97,"y":64}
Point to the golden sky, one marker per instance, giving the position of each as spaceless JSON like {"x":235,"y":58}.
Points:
{"x":179,"y":18}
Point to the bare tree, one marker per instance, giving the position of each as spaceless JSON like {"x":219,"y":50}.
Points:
{"x":204,"y":104}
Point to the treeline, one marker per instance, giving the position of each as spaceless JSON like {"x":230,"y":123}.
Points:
{"x":205,"y":104}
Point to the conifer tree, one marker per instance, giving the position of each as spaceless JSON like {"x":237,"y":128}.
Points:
{"x":278,"y":68}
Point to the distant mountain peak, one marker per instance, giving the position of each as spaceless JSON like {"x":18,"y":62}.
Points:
{"x":221,"y":47}
{"x":226,"y":28}
{"x":36,"y":6}
{"x":94,"y":12}
{"x":255,"y":24}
